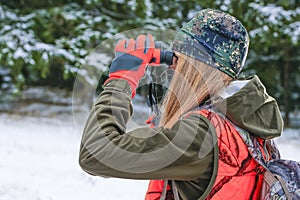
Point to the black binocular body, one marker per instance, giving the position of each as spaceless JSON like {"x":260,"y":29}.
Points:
{"x":161,"y":57}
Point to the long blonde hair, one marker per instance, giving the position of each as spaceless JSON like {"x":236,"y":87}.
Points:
{"x":193,"y":82}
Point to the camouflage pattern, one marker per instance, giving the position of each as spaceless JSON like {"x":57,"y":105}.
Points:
{"x":215,"y":38}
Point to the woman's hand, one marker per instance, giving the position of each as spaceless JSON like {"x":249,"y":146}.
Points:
{"x":132,"y":57}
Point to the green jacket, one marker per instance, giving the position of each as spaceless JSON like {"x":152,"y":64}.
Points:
{"x":186,"y":153}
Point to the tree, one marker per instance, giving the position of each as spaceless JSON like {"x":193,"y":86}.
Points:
{"x":275,"y":50}
{"x":46,"y":42}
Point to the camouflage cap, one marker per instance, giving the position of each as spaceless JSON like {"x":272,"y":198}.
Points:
{"x":215,"y":38}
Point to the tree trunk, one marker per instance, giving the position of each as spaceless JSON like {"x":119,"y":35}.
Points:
{"x":286,"y":94}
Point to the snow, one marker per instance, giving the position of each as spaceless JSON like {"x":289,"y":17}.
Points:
{"x":99,"y":60}
{"x":21,"y":40}
{"x":274,"y":13}
{"x":39,"y":160}
{"x":279,"y":17}
{"x":19,"y":53}
{"x":294,"y":31}
{"x":288,"y":144}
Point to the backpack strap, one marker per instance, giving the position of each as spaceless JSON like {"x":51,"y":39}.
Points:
{"x":271,"y":179}
{"x":175,"y":191}
{"x":164,"y":191}
{"x":283,"y":184}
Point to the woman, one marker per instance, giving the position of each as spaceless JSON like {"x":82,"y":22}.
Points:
{"x":196,"y":148}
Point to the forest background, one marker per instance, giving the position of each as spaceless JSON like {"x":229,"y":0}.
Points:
{"x":45,"y":43}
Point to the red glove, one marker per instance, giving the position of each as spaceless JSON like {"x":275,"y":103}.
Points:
{"x":131,"y":60}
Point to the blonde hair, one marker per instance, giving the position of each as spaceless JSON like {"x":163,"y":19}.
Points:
{"x":193,"y":82}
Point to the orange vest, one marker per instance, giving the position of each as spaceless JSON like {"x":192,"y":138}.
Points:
{"x":155,"y":189}
{"x":239,"y":176}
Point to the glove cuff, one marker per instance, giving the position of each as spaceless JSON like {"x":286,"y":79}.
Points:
{"x":120,"y":84}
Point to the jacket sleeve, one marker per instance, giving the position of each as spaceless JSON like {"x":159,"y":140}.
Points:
{"x":183,"y":152}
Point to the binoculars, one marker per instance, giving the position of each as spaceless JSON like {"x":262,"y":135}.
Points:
{"x":161,"y":57}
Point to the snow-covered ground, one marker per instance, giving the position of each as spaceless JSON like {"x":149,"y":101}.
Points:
{"x":39,"y":161}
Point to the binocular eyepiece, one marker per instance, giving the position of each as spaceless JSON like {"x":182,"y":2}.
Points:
{"x":166,"y":57}
{"x":161,"y":57}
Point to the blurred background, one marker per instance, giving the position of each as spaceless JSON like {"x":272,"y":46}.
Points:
{"x":43,"y":45}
